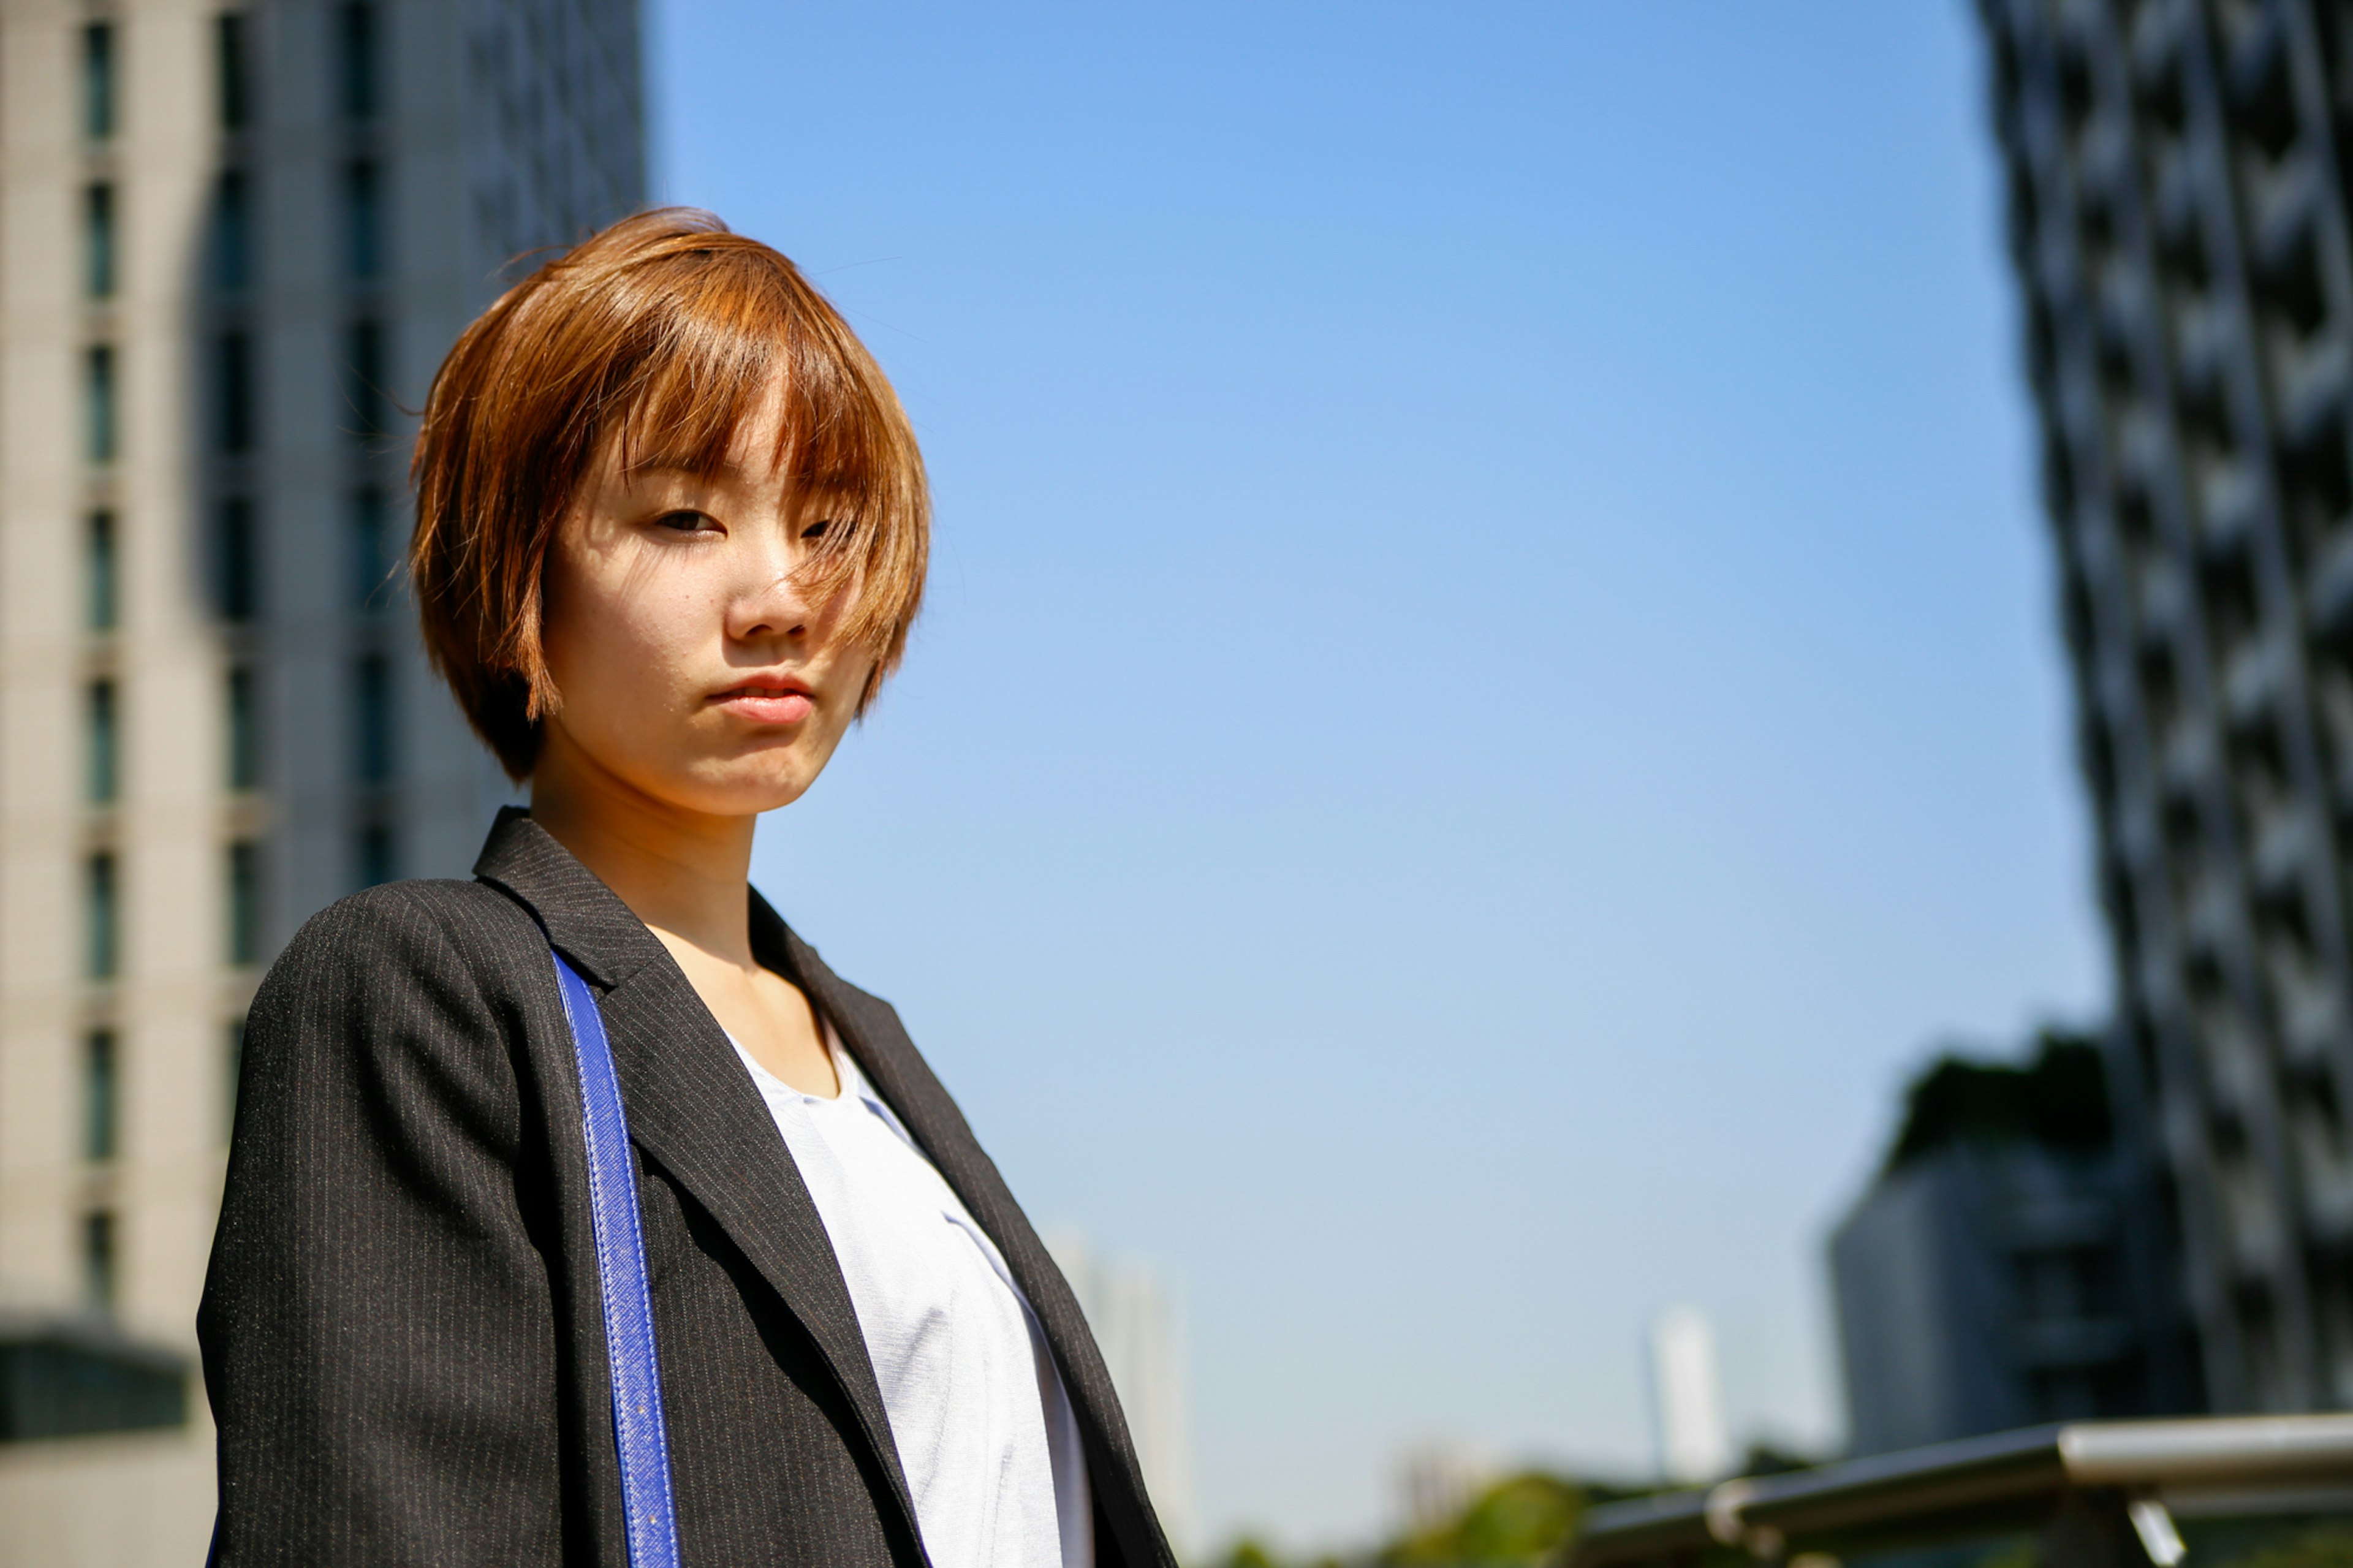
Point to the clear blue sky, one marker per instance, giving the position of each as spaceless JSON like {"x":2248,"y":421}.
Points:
{"x":1491,"y":684}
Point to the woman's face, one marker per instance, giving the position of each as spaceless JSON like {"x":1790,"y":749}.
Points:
{"x":693,"y":667}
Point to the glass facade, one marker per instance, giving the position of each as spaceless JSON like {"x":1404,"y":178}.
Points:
{"x":102,"y":916}
{"x":232,"y":234}
{"x":98,"y":1260}
{"x":356,"y":62}
{"x":98,"y":572}
{"x":237,"y":566}
{"x":98,"y":240}
{"x":373,"y":564}
{"x":372,"y":719}
{"x":102,"y":744}
{"x":101,"y":438}
{"x":244,"y":903}
{"x":99,"y":1097}
{"x":98,"y":81}
{"x":233,"y":83}
{"x":363,"y":378}
{"x":233,"y":400}
{"x":363,"y":230}
{"x":242,"y":725}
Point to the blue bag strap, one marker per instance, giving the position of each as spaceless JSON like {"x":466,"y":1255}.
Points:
{"x":637,"y":1430}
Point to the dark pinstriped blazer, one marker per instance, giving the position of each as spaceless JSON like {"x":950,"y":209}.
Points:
{"x":401,"y":1331}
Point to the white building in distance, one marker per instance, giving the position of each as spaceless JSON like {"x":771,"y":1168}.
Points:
{"x":1687,"y":1398}
{"x":1130,"y":1309}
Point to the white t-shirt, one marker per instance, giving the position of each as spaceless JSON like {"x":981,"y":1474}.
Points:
{"x":984,"y":1429}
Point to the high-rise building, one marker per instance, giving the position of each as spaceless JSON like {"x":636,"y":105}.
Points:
{"x":1133,"y":1319}
{"x":2179,"y":219}
{"x":235,"y":240}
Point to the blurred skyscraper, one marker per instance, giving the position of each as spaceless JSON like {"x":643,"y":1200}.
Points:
{"x":1135,"y":1322}
{"x":2178,"y":222}
{"x":1687,"y":1398}
{"x":235,"y":242}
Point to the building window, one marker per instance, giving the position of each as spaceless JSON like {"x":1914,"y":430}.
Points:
{"x":233,"y":392}
{"x":102,"y":744}
{"x":98,"y":1086}
{"x":363,"y":218}
{"x":98,"y":81}
{"x":371,"y":564}
{"x":97,"y":1260}
{"x":372,"y":855}
{"x":98,"y":572}
{"x":233,"y":1061}
{"x":359,"y":62}
{"x":236,"y":559}
{"x":232,"y":75}
{"x":102,"y":938}
{"x":244,"y":902}
{"x":243,"y":743}
{"x":97,"y":402}
{"x":364,"y":377}
{"x":98,"y":240}
{"x":232,"y":257}
{"x":372,"y":717}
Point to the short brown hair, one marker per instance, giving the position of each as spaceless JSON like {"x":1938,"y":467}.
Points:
{"x":663,"y":333}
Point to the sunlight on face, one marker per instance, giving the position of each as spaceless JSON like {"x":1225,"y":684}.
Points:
{"x":695,"y":669}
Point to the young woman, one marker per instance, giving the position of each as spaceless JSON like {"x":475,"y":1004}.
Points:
{"x":672,"y":528}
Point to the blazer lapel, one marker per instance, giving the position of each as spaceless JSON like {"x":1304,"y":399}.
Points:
{"x":692,"y":1108}
{"x":871,"y":1031}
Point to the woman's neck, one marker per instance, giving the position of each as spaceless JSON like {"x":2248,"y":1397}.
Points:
{"x":683,"y":873}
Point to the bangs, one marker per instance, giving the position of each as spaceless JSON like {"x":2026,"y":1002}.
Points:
{"x":715,"y":352}
{"x":654,"y":343}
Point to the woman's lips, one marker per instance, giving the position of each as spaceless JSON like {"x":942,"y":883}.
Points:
{"x":767,"y":704}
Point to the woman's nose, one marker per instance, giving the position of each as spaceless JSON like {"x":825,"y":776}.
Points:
{"x":769,"y":600}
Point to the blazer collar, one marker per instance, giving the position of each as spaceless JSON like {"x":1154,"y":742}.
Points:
{"x":585,"y":919}
{"x":871,"y":1032}
{"x":691,"y":1106}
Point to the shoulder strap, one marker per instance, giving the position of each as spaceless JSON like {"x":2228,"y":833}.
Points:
{"x":637,"y":1429}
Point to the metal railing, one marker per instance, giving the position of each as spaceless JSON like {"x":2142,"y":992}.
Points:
{"x":2099,"y":1494}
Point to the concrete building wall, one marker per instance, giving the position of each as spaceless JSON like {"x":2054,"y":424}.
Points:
{"x":484,"y":128}
{"x":1986,"y":1288}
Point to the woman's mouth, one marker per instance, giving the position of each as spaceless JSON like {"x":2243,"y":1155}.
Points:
{"x":767,"y":702}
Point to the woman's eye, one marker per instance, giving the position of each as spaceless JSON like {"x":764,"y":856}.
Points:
{"x":683,"y":521}
{"x":817,"y":530}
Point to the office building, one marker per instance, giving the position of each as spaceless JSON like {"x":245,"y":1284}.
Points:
{"x":2000,"y":1271}
{"x":2178,"y":222}
{"x":235,"y":242}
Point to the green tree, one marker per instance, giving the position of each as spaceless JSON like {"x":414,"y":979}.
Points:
{"x":1518,"y":1522}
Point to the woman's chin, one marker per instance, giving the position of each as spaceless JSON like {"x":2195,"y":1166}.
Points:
{"x":740,"y":788}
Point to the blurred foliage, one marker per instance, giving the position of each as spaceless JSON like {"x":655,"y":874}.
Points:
{"x":1766,"y":1459}
{"x":1523,"y":1520}
{"x":1248,"y":1553}
{"x":2329,"y":1546}
{"x":2059,"y":1100}
{"x":1518,"y":1522}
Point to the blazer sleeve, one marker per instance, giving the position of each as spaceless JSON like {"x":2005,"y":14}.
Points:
{"x":376,"y":1328}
